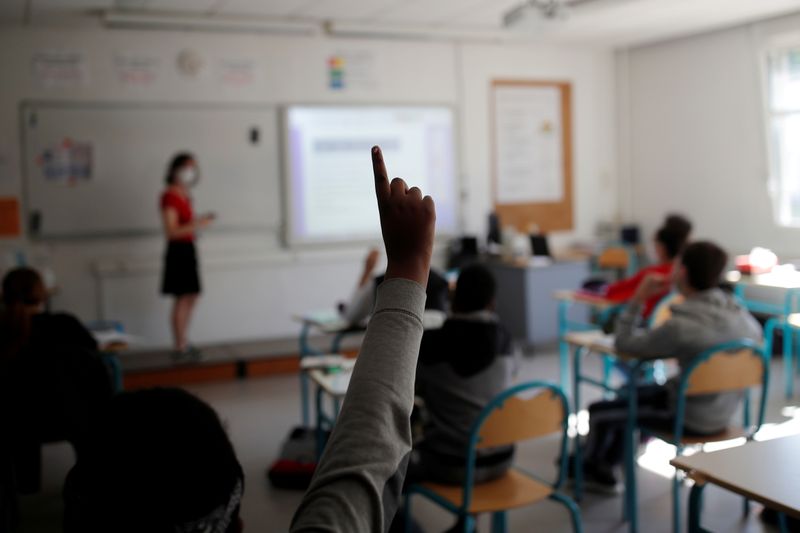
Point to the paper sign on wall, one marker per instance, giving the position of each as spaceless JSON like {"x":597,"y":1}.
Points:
{"x":59,"y":68}
{"x":68,"y":162}
{"x":237,"y":72}
{"x":528,"y":140}
{"x":136,"y":69}
{"x":10,"y":225}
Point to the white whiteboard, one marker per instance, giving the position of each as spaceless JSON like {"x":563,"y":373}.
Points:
{"x":330,"y":197}
{"x":98,"y":170}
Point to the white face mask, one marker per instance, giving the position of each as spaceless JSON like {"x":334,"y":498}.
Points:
{"x":188,"y":176}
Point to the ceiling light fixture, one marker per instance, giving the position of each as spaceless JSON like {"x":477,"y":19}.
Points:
{"x":169,"y":21}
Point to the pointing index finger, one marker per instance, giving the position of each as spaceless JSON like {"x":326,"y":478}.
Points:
{"x":379,"y":170}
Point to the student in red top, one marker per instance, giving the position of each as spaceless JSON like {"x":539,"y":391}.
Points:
{"x":670,"y":240}
{"x":181,"y":278}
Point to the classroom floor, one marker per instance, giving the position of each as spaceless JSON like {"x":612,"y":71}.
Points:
{"x":260,"y":411}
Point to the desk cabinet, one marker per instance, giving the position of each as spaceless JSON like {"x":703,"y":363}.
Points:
{"x":525,"y":300}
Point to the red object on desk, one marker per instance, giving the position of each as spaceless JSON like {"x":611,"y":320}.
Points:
{"x":744,"y":266}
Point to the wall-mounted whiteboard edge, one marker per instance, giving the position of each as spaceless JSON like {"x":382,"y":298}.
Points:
{"x":270,"y":230}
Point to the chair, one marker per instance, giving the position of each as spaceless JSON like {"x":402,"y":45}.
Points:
{"x":733,"y":366}
{"x":789,"y":325}
{"x":507,"y":419}
{"x":619,"y":258}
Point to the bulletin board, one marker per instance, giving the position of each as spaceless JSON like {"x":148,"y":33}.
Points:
{"x":532,"y":168}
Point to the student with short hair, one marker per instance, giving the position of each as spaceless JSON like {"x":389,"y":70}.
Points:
{"x":52,"y":379}
{"x":669,"y":240}
{"x":707,"y":317}
{"x":358,"y":483}
{"x":157,"y":460}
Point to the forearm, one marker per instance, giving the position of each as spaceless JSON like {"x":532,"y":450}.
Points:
{"x":633,"y":341}
{"x":183,"y":230}
{"x":357,"y":485}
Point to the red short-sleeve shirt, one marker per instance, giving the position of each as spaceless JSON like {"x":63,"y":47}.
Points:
{"x":183,"y":206}
{"x":622,"y":291}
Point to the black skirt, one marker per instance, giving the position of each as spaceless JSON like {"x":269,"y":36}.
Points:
{"x":180,"y":269}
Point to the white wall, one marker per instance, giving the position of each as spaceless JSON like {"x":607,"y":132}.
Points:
{"x":252,"y":285}
{"x":693,"y":132}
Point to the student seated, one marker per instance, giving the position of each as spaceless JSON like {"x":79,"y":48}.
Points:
{"x":52,"y":379}
{"x":357,"y":484}
{"x":462,"y":366}
{"x":359,"y":308}
{"x":669,"y":241}
{"x":707,"y":317}
{"x":159,"y":461}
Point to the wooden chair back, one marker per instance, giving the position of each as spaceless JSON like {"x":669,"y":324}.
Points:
{"x":663,"y":310}
{"x":727,"y":371}
{"x":614,"y":258}
{"x":518,"y":419}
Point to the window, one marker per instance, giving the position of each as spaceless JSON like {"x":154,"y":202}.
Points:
{"x":784,"y":133}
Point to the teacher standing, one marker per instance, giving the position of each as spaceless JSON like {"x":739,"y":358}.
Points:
{"x":181,"y":278}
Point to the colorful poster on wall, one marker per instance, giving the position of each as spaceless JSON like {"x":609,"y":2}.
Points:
{"x":136,"y":69}
{"x":60,"y":68}
{"x":67,"y":162}
{"x":10,"y":225}
{"x":352,"y":70}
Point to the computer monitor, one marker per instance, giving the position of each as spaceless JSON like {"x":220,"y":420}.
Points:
{"x":539,"y":246}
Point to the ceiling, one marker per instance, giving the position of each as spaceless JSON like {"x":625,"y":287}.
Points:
{"x":606,"y":22}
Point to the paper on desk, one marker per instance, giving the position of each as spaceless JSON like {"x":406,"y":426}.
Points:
{"x":107,"y":337}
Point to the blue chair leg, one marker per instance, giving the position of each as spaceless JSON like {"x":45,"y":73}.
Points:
{"x":563,"y":347}
{"x":305,"y":416}
{"x":676,"y":503}
{"x":572,"y":507}
{"x":469,"y":524}
{"x":499,"y":522}
{"x":788,"y":360}
{"x":782,"y":523}
{"x":608,"y":365}
{"x":578,"y":452}
{"x":695,"y":508}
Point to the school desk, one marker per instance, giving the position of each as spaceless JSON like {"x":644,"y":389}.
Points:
{"x":333,"y":382}
{"x":523,"y":300}
{"x":599,"y":343}
{"x":331,"y":323}
{"x":781,"y":278}
{"x":767,"y":472}
{"x":566,"y":299}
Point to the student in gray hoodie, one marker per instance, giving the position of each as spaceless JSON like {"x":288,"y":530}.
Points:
{"x":707,"y":317}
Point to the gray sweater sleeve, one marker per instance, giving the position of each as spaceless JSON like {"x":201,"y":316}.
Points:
{"x":357,"y":484}
{"x":642,"y":343}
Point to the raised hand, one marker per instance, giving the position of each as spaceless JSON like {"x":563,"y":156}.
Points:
{"x":407,"y":224}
